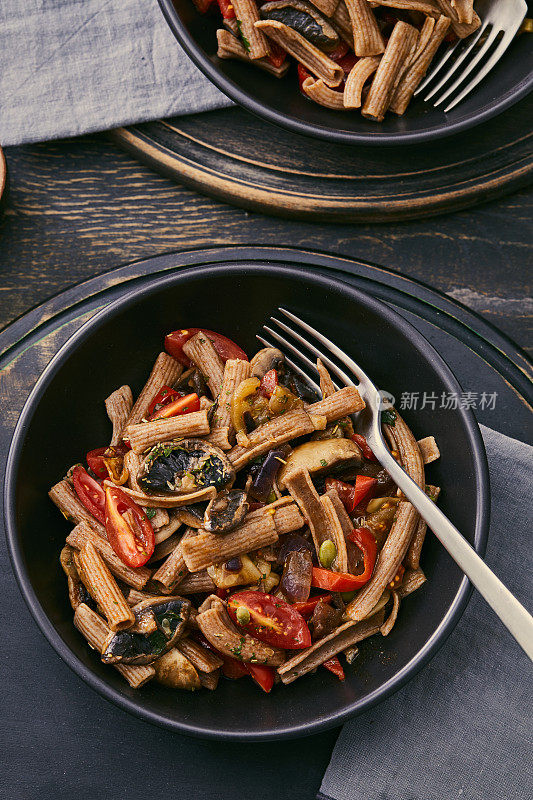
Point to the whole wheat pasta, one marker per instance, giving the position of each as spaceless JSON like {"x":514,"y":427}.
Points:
{"x":327,"y":7}
{"x":298,"y":46}
{"x":278,"y":431}
{"x":219,"y":630}
{"x":327,"y":387}
{"x":199,"y":656}
{"x":209,"y":680}
{"x":94,"y":629}
{"x":135,"y":596}
{"x":170,"y":500}
{"x":235,"y":371}
{"x":168,"y":530}
{"x":342,"y":637}
{"x":84,"y":533}
{"x":317,"y":91}
{"x":413,"y":579}
{"x":403,"y":38}
{"x":464,"y":10}
{"x":428,"y":449}
{"x":145,"y":434}
{"x":344,"y":402}
{"x":66,"y":499}
{"x":196,"y":583}
{"x":164,"y":549}
{"x":254,"y":41}
{"x":427,"y":7}
{"x":462,"y":30}
{"x":201,"y":351}
{"x":219,"y":437}
{"x":159,"y":519}
{"x":367,"y":37}
{"x":231,"y":47}
{"x":390,"y":558}
{"x":390,"y":622}
{"x":173,"y":569}
{"x":415,"y":548}
{"x":357,"y":77}
{"x":103,"y":587}
{"x":133,"y":463}
{"x":410,"y":455}
{"x":165,"y":372}
{"x":340,"y":19}
{"x":118,"y":407}
{"x":416,"y":71}
{"x":209,"y":548}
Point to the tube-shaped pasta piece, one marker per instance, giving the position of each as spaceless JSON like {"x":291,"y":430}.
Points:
{"x":340,"y":19}
{"x":275,"y":432}
{"x":345,"y":401}
{"x":209,"y":680}
{"x":427,"y":7}
{"x":145,"y":434}
{"x":344,"y":636}
{"x":389,"y":623}
{"x":412,"y":580}
{"x":303,"y":51}
{"x":133,"y":463}
{"x":220,"y":631}
{"x":164,"y":549}
{"x":464,"y":10}
{"x":254,"y":41}
{"x":417,"y":69}
{"x":318,"y":92}
{"x":327,"y":387}
{"x":235,"y":371}
{"x":415,"y":548}
{"x":336,"y":534}
{"x":66,"y":499}
{"x":84,"y":533}
{"x":94,"y":629}
{"x":429,"y":449}
{"x":199,"y":656}
{"x":118,"y":407}
{"x":367,"y":37}
{"x":462,"y":30}
{"x":168,"y":530}
{"x":103,"y":587}
{"x":390,"y":558}
{"x":135,"y":596}
{"x":357,"y":77}
{"x":200,"y":350}
{"x":403,"y":38}
{"x":173,"y":569}
{"x":327,"y":7}
{"x":206,"y":548}
{"x":231,"y":47}
{"x":196,"y":583}
{"x":170,"y":500}
{"x":410,"y":455}
{"x":165,"y":372}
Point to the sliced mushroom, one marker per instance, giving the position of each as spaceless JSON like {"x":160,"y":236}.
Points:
{"x":126,"y":647}
{"x":184,"y":466}
{"x":192,"y":516}
{"x":303,"y":18}
{"x":320,"y":457}
{"x":175,"y":670}
{"x":226,"y":511}
{"x":266,"y":359}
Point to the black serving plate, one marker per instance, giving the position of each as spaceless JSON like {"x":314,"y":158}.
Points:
{"x":281,"y":102}
{"x":64,"y":417}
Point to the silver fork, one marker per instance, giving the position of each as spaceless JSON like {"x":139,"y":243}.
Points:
{"x":498,"y":18}
{"x":512,"y":613}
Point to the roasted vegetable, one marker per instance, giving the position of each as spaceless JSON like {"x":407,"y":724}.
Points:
{"x":265,"y":360}
{"x":303,"y":18}
{"x":265,"y":475}
{"x":297,"y":573}
{"x":320,"y":456}
{"x":185,"y":466}
{"x":226,"y":511}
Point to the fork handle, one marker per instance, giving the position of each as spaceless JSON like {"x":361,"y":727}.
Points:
{"x":514,"y":616}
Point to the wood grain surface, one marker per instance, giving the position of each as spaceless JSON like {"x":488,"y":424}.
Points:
{"x":81,"y":207}
{"x":240,"y":159}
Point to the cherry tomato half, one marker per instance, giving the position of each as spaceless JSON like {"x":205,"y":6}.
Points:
{"x":177,"y":407}
{"x":359,"y":439}
{"x":96,"y":462}
{"x":132,"y":539}
{"x":350,"y":495}
{"x":272,"y":620}
{"x":225,"y":347}
{"x":226,"y":9}
{"x":263,"y":676}
{"x":165,"y":395}
{"x":89,"y":492}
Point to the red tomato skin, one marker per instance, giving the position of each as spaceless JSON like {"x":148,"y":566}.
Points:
{"x":120,"y":535}
{"x":225,"y":347}
{"x":335,"y":666}
{"x":226,"y":9}
{"x":292,"y":632}
{"x":306,"y":607}
{"x":165,"y":395}
{"x":96,"y":462}
{"x":359,"y":439}
{"x":269,"y":381}
{"x":263,"y":676}
{"x":89,"y":492}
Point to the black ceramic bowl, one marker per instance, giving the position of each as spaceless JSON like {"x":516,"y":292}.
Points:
{"x":64,"y":418}
{"x":281,"y":102}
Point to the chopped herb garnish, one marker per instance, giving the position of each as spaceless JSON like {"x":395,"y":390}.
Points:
{"x":388,"y":417}
{"x":150,"y":513}
{"x":245,"y":41}
{"x":323,"y":462}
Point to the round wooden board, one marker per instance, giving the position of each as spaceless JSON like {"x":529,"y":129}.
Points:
{"x":240,"y":159}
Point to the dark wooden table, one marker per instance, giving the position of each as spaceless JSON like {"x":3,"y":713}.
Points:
{"x":79,"y":208}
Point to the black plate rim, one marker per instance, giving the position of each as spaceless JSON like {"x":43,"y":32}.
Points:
{"x":244,"y":99}
{"x":451,"y":618}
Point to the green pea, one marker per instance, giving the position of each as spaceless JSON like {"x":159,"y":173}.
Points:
{"x":327,"y":553}
{"x":243,"y":615}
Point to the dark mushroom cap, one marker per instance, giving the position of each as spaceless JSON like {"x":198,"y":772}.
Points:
{"x":167,"y":463}
{"x":266,"y":359}
{"x":303,"y":18}
{"x":171,"y":615}
{"x":226,"y":511}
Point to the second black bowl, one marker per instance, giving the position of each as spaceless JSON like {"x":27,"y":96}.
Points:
{"x":64,"y":417}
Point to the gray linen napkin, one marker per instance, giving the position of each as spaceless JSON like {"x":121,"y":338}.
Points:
{"x":462,"y":728}
{"x":69,"y":67}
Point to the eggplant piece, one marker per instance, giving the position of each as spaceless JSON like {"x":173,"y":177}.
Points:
{"x":184,"y":466}
{"x":266,"y":359}
{"x":297,"y":573}
{"x":300,"y":388}
{"x":170,"y":614}
{"x":266,"y":474}
{"x":303,"y":18}
{"x":318,"y":457}
{"x":293,"y":543}
{"x":174,"y":670}
{"x":226,"y":511}
{"x":324,"y":620}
